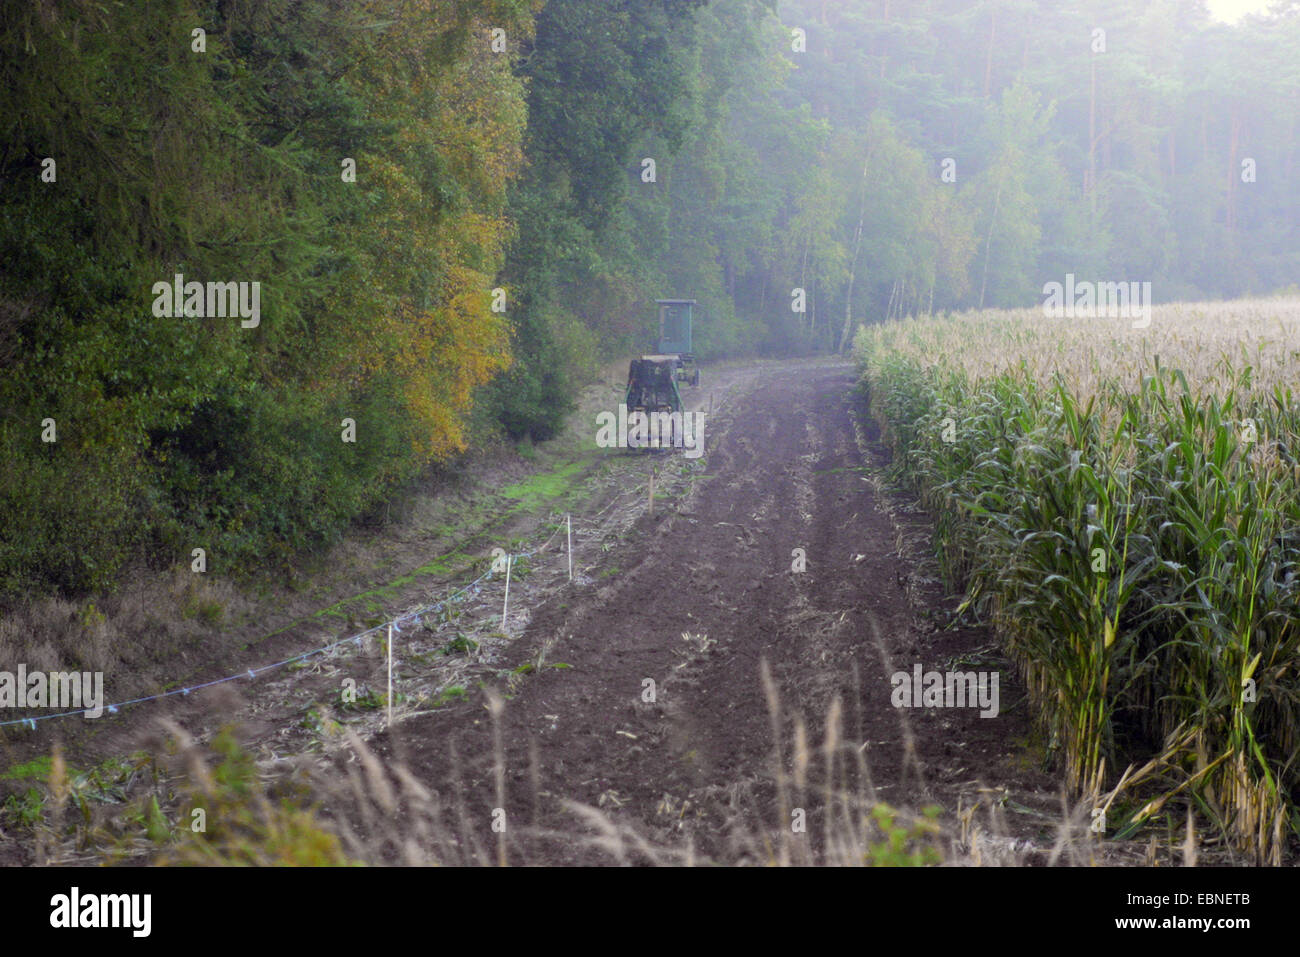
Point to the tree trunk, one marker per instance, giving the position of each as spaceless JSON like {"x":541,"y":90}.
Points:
{"x":803,"y":272}
{"x":1092,"y":135}
{"x":1234,"y":171}
{"x":853,"y":265}
{"x":988,"y":61}
{"x":988,"y":243}
{"x":812,"y":304}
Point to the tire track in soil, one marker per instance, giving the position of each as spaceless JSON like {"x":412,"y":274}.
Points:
{"x":695,"y":767}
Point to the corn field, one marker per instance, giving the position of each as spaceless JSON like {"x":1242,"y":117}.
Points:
{"x":1123,"y":505}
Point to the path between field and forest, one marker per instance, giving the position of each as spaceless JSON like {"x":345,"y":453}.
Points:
{"x":704,"y":595}
{"x":692,"y":602}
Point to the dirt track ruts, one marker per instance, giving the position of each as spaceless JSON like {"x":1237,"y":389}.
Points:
{"x":694,"y":769}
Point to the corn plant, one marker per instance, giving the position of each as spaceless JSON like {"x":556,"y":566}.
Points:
{"x":1129,"y":519}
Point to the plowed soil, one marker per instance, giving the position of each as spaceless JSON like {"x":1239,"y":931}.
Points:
{"x":624,"y":716}
{"x":662,"y":719}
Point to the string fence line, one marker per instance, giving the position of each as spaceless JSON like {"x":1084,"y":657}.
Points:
{"x":252,"y":673}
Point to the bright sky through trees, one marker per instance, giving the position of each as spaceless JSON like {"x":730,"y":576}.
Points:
{"x":1230,"y":11}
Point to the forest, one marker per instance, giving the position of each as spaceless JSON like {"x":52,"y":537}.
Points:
{"x":452,"y":212}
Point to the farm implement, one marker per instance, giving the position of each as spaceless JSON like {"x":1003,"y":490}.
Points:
{"x":652,"y":379}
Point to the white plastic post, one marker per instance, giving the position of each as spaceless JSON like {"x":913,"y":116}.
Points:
{"x":390,"y":674}
{"x":505,"y":604}
{"x":569,"y":521}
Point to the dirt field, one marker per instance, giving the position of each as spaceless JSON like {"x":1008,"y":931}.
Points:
{"x":634,"y":722}
{"x":705,"y":595}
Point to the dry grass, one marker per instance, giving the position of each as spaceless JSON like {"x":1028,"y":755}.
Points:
{"x":121,"y":635}
{"x":815,"y":806}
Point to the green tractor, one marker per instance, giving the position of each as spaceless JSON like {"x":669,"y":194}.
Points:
{"x":652,"y":380}
{"x":675,"y":316}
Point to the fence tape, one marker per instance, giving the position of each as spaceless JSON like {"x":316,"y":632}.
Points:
{"x":472,"y":588}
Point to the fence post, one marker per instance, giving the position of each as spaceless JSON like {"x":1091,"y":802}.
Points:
{"x":505,"y":604}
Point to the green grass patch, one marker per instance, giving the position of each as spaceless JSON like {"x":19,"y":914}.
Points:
{"x":448,"y":696}
{"x":36,"y":769}
{"x":537,"y":490}
{"x":460,"y":645}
